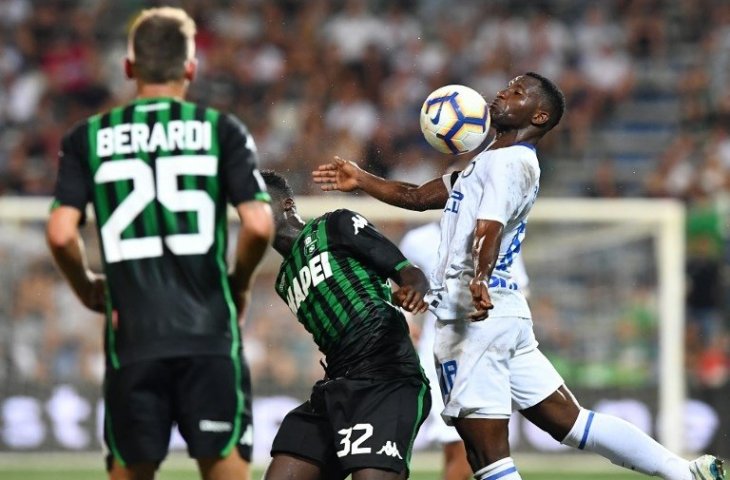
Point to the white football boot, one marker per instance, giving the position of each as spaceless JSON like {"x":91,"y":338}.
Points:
{"x":707,"y":467}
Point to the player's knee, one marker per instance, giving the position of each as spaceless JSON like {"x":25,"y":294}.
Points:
{"x":578,"y":435}
{"x":458,"y":470}
{"x":141,"y":471}
{"x":216,"y":468}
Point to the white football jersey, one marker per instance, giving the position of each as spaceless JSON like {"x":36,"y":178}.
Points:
{"x":499,"y":185}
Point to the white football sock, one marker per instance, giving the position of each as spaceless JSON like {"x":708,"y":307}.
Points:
{"x":501,"y":469}
{"x":625,"y":445}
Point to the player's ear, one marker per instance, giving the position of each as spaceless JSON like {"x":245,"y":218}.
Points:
{"x":289,"y":205}
{"x":540,"y":118}
{"x":191,"y":68}
{"x":128,"y":68}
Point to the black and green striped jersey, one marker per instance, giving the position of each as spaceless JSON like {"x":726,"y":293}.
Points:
{"x":160,"y":173}
{"x":335,"y":280}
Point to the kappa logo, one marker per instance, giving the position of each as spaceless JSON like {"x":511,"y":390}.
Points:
{"x":247,"y":437}
{"x":390,"y":449}
{"x":358,"y":222}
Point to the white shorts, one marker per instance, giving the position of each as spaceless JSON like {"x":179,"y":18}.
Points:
{"x":434,"y":429}
{"x":490,"y":368}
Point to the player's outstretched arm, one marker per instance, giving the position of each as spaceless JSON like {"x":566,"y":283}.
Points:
{"x":346,"y":176}
{"x":67,"y":248}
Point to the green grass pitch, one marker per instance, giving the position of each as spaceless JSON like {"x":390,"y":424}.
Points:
{"x":425,"y":466}
{"x":69,"y":474}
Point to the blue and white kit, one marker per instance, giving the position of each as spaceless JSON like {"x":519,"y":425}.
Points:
{"x":491,"y":367}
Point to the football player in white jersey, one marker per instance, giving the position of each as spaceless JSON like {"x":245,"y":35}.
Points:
{"x":417,"y":245}
{"x":485,"y":344}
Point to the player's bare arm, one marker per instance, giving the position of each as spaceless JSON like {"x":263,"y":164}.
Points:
{"x":346,"y":176}
{"x":485,"y":250}
{"x":413,"y":286}
{"x":257,"y":230}
{"x":67,"y":247}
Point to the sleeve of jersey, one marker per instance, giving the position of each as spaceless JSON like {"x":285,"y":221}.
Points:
{"x":450,"y":179}
{"x":239,"y":163}
{"x":72,"y":186}
{"x":503,"y":188}
{"x":360,"y":238}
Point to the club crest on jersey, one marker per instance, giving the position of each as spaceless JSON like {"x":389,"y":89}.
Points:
{"x":316,"y":271}
{"x":309,"y":245}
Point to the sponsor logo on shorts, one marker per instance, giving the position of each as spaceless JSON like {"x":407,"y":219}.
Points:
{"x":390,"y":449}
{"x":215,"y":426}
{"x":247,"y":437}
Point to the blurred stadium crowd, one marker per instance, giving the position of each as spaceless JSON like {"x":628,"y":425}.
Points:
{"x":647,"y":84}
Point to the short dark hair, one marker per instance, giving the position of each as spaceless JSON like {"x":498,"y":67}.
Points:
{"x":277,"y":185}
{"x":161,"y":41}
{"x":553,"y":96}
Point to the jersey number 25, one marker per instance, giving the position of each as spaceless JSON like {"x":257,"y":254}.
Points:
{"x":164,"y":187}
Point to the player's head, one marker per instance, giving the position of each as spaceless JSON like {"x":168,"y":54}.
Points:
{"x":286,"y":218}
{"x":530,"y":100}
{"x":161,"y":46}
{"x":551,"y":99}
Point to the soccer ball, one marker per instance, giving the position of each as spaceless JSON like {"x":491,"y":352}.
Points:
{"x":455,"y":119}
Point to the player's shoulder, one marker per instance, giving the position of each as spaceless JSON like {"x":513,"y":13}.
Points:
{"x":78,"y":128}
{"x":78,"y":133}
{"x":341,"y":214}
{"x":508,"y":157}
{"x":344,"y":219}
{"x":518,"y":151}
{"x":230,"y":122}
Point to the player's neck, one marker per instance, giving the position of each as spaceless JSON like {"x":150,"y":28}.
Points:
{"x":507,"y":138}
{"x":286,"y":236}
{"x":155,"y":90}
{"x":283,"y":243}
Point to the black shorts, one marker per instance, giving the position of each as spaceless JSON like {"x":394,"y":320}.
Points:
{"x":208,"y":397}
{"x":349,"y":425}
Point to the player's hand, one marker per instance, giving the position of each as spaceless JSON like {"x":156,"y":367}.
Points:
{"x":480,"y":299}
{"x":241,"y":297}
{"x":410,"y":299}
{"x":242,"y":301}
{"x":93,"y":295}
{"x":339,"y":175}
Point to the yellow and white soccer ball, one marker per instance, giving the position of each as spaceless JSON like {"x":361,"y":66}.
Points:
{"x":455,"y":119}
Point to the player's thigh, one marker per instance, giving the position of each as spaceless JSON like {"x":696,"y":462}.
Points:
{"x":556,"y":414}
{"x":211,"y":404}
{"x":138,"y":413}
{"x":140,"y":471}
{"x":217,"y":468}
{"x":486,"y":439}
{"x":474,"y":366}
{"x":289,"y":467}
{"x":305,"y":442}
{"x":532,"y":379}
{"x":378,"y":474}
{"x":375,"y":422}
